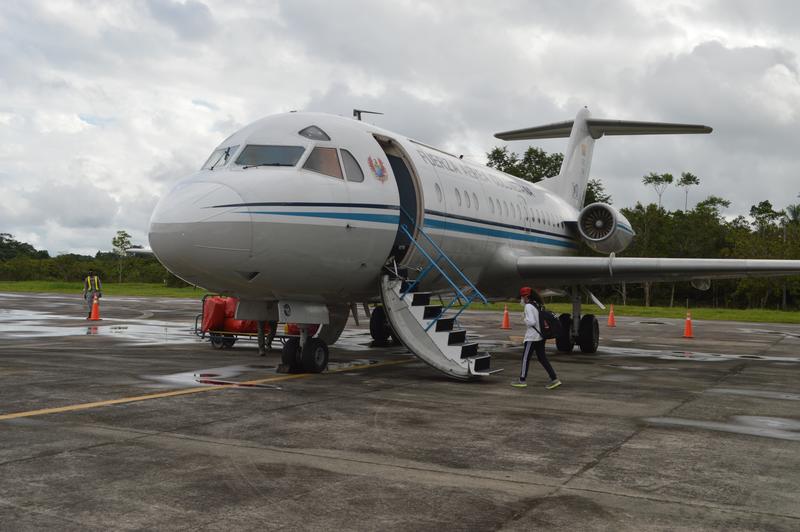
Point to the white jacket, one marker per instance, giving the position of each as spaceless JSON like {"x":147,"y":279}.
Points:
{"x":532,"y":320}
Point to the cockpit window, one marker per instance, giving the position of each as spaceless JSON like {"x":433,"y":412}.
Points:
{"x":220,"y":157}
{"x":351,"y":167}
{"x":325,"y":161}
{"x":259,"y":155}
{"x":313,"y":133}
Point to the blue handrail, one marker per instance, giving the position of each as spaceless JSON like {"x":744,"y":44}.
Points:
{"x":434,"y":264}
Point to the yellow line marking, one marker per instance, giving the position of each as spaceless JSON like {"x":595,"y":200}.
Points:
{"x":188,"y":391}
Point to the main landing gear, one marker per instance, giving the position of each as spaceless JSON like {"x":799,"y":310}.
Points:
{"x":576,"y":329}
{"x":304,"y":354}
{"x":379,"y":327}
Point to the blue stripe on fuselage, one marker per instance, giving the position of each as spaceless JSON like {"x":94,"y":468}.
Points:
{"x":447,"y":224}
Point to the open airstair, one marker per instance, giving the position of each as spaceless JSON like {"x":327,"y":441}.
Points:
{"x":428,"y":330}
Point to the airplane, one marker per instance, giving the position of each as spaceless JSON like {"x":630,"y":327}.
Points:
{"x":304,"y":215}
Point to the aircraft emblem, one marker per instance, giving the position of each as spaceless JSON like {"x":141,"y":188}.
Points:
{"x":378,"y":169}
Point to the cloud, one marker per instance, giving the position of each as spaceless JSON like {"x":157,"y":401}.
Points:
{"x":109,"y":103}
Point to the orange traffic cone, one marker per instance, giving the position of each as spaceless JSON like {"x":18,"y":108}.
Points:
{"x":506,"y":321}
{"x":95,"y":315}
{"x":687,"y":329}
{"x":612,"y":322}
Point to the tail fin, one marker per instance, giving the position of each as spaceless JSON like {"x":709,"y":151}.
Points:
{"x":570,"y":183}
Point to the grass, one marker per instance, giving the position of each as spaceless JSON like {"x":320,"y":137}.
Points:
{"x":157,"y":290}
{"x":700,"y":313}
{"x":109,"y":289}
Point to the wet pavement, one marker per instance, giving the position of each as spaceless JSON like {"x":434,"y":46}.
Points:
{"x":135,"y":423}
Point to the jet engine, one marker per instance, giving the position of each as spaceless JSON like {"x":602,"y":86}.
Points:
{"x":604,"y":229}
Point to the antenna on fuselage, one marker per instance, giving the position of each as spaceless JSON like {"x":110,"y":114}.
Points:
{"x":357,"y":113}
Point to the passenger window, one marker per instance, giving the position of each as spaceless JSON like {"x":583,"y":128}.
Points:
{"x":325,"y":161}
{"x":458,"y":197}
{"x":505,"y":208}
{"x":466,"y":198}
{"x":491,"y":205}
{"x":438,"y":192}
{"x":475,"y":201}
{"x":351,"y":167}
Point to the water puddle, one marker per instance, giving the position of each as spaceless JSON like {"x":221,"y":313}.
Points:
{"x":767,"y":427}
{"x":694,"y":356}
{"x":762,"y":394}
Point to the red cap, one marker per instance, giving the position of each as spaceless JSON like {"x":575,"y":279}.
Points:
{"x":525,"y":291}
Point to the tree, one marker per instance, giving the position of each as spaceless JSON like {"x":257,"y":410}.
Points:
{"x":659,"y":182}
{"x":765,"y":216}
{"x":792,"y":215}
{"x":121,"y":243}
{"x":535,"y":164}
{"x":596,"y":192}
{"x":687,"y":180}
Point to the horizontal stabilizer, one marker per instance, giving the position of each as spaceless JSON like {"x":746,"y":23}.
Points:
{"x":601,"y":126}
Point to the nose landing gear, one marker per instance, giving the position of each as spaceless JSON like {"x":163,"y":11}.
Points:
{"x":304,"y":354}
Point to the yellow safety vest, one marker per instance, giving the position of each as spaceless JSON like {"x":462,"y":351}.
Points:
{"x":96,"y":283}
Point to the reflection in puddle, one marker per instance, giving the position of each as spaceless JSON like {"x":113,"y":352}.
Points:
{"x":686,"y":355}
{"x":767,"y":427}
{"x":763,"y":394}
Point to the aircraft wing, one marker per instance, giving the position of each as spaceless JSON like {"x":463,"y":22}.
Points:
{"x":607,"y":270}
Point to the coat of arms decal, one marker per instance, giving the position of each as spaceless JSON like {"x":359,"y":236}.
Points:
{"x":378,"y":169}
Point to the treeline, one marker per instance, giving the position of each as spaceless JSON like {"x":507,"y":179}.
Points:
{"x":700,"y":232}
{"x":20,"y":261}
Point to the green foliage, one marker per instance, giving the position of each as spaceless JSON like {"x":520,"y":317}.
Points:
{"x":659,"y":182}
{"x":596,"y":192}
{"x":10,"y":248}
{"x":534,"y":165}
{"x":687,"y":180}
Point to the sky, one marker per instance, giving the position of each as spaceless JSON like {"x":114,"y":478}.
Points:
{"x":105,"y":104}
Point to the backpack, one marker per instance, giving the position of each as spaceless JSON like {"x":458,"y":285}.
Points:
{"x":549,"y":324}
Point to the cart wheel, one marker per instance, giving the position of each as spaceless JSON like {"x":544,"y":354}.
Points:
{"x":228,"y":341}
{"x":217,"y":341}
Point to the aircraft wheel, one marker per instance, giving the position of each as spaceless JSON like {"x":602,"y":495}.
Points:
{"x":565,"y":343}
{"x":588,"y":334}
{"x":290,"y":356}
{"x":379,"y":327}
{"x":314,"y":356}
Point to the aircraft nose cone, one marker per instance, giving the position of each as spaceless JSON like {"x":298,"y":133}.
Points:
{"x":201,"y":233}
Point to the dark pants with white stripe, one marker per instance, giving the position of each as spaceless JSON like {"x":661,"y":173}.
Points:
{"x":538,"y":347}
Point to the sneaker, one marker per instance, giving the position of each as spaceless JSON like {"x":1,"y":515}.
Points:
{"x":519,"y":384}
{"x":555,"y":383}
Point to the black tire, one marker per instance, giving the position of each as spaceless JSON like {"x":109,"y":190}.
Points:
{"x":228,"y":341}
{"x":314,"y":356}
{"x":217,"y":341}
{"x":588,"y":334}
{"x":379,"y":327}
{"x":290,"y":355}
{"x":565,"y":343}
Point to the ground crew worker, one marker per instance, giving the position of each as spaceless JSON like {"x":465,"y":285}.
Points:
{"x":534,"y":341}
{"x":92,"y":287}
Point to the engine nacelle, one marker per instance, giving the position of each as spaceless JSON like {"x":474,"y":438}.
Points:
{"x":604,"y":229}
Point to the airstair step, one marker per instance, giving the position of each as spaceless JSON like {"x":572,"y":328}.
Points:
{"x":445,"y":324}
{"x":432,"y":312}
{"x":469,"y":350}
{"x":420,"y":299}
{"x":483,"y":363}
{"x":457,"y":337}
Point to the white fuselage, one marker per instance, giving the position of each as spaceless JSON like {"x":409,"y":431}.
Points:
{"x":285,"y":232}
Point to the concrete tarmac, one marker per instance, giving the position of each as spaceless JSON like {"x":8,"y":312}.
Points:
{"x":133,"y":423}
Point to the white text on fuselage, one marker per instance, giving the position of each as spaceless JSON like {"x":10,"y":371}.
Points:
{"x":458,"y":167}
